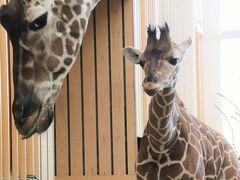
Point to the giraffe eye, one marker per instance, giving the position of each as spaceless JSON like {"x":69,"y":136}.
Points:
{"x":173,"y":61}
{"x":38,"y":23}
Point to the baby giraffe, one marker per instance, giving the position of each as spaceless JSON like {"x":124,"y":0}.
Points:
{"x":175,"y":145}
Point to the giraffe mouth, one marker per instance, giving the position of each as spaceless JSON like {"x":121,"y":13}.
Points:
{"x":152,"y":92}
{"x":35,"y":125}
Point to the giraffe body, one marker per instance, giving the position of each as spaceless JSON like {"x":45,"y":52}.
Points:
{"x":175,"y":145}
{"x":198,"y":152}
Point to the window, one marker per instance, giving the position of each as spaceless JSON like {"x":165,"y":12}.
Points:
{"x":230,"y":67}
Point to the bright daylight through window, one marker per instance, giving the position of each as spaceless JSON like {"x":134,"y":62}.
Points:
{"x":230,"y":68}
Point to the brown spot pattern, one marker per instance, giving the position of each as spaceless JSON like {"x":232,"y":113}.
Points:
{"x":57,"y":47}
{"x":172,"y":171}
{"x":75,"y":30}
{"x":41,"y":73}
{"x":52,"y":63}
{"x":61,"y":27}
{"x":177,"y":151}
{"x":69,"y":46}
{"x":210,"y":169}
{"x":66,"y":13}
{"x":170,"y":97}
{"x":160,"y":100}
{"x":58,"y":73}
{"x":77,"y":9}
{"x":191,"y":166}
{"x":143,"y":155}
{"x":68,"y":61}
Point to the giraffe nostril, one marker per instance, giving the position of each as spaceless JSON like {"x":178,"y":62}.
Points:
{"x":151,"y":78}
{"x":18,"y":111}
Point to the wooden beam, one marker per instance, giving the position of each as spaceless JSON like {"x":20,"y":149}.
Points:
{"x":103,"y":89}
{"x":115,"y":177}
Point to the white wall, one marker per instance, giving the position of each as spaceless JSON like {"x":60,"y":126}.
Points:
{"x":211,"y":62}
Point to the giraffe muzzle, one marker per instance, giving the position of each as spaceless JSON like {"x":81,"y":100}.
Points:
{"x":152,"y":92}
{"x":31,"y":119}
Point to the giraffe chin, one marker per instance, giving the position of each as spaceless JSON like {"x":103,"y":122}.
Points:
{"x":152,"y":92}
{"x":40,"y":124}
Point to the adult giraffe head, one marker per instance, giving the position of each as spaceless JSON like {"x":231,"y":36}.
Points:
{"x":46,"y":36}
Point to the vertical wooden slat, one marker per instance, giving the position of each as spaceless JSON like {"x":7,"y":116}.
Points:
{"x":130,"y":86}
{"x":103,"y":88}
{"x":89,"y":101}
{"x":117,"y":87}
{"x":14,"y":140}
{"x":4,"y":65}
{"x":50,"y":152}
{"x":29,"y":155}
{"x":199,"y":75}
{"x":1,"y":121}
{"x":44,"y":156}
{"x":144,"y":24}
{"x":75,"y":103}
{"x":22,"y":164}
{"x":36,"y":155}
{"x":62,"y":132}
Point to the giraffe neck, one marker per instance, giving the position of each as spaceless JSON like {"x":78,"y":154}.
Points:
{"x":161,"y":129}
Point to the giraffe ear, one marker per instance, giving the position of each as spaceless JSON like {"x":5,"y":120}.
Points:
{"x":131,"y":54}
{"x":186,"y":45}
{"x":94,"y":3}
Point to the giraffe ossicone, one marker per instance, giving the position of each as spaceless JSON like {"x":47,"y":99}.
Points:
{"x":175,"y":145}
{"x":46,"y":36}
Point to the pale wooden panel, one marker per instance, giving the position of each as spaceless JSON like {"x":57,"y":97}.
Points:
{"x":115,"y":177}
{"x":4,"y":65}
{"x":130,"y":86}
{"x":199,"y":75}
{"x":61,"y":121}
{"x":50,"y":152}
{"x":15,"y":150}
{"x":145,"y":21}
{"x":117,"y":87}
{"x":22,"y":164}
{"x":36,"y":155}
{"x":103,"y":89}
{"x":1,"y":121}
{"x":14,"y":140}
{"x":29,"y":156}
{"x":89,"y":100}
{"x":44,"y":155}
{"x":75,"y":103}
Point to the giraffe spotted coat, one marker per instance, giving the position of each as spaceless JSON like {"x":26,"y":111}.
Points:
{"x":175,"y":145}
{"x":198,"y":152}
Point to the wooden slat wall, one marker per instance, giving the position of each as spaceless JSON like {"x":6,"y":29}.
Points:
{"x":95,"y":113}
{"x":18,"y":158}
{"x":5,"y":98}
